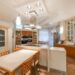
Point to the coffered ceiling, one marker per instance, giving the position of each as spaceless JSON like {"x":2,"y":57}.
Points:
{"x":47,"y":11}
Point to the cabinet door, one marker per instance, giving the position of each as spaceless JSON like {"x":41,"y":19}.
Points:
{"x":2,"y":38}
{"x":43,"y":57}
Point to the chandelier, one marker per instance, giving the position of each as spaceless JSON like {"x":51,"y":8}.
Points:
{"x":32,"y":19}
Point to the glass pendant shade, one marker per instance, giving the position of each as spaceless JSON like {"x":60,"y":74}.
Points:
{"x":18,"y":23}
{"x":18,"y":20}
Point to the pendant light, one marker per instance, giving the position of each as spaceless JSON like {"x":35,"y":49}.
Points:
{"x":18,"y":23}
{"x":18,"y":20}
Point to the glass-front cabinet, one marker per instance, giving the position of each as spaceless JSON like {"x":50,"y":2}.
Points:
{"x":68,"y":29}
{"x":2,"y":38}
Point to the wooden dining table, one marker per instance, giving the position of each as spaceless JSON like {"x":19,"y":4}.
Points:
{"x":14,"y":60}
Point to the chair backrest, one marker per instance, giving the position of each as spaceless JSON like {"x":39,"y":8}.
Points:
{"x":36,"y":58}
{"x":27,"y":67}
{"x":4,"y":52}
{"x":16,"y":49}
{"x":3,"y":72}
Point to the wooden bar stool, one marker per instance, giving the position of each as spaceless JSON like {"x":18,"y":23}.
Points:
{"x":36,"y":58}
{"x":26,"y":68}
{"x":3,"y":72}
{"x":36,"y":62}
{"x":4,"y":52}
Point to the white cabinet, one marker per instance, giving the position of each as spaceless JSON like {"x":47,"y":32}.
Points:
{"x":57,"y":58}
{"x":44,"y":56}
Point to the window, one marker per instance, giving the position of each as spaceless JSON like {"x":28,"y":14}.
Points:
{"x":43,"y":35}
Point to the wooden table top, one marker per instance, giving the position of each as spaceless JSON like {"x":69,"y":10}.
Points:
{"x":12,"y":61}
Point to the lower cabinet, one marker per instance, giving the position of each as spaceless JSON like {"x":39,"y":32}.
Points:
{"x":43,"y":57}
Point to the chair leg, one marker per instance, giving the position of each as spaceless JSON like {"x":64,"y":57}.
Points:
{"x":37,"y":70}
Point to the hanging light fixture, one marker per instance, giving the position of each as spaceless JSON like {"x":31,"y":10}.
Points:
{"x":18,"y":20}
{"x":18,"y":23}
{"x":33,"y":20}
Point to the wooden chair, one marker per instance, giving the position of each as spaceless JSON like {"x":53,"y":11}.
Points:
{"x":17,"y":49}
{"x":36,"y":58}
{"x":3,"y":72}
{"x":4,"y":52}
{"x":35,"y":66}
{"x":26,"y":68}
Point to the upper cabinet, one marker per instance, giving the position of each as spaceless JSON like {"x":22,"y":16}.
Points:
{"x":68,"y":29}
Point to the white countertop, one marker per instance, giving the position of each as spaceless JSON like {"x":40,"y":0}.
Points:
{"x":57,"y":58}
{"x":12,"y":61}
{"x":57,"y":49}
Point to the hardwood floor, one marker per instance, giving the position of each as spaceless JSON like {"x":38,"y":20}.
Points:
{"x":71,"y":66}
{"x":70,"y":69}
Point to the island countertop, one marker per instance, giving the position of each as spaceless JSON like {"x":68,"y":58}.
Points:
{"x":12,"y":61}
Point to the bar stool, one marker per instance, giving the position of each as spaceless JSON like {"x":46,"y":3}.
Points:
{"x":4,"y":52}
{"x":35,"y":64}
{"x":3,"y":72}
{"x":36,"y":58}
{"x":26,"y":68}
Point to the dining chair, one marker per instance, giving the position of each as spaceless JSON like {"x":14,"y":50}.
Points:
{"x":4,"y":52}
{"x":36,"y":58}
{"x":35,"y":65}
{"x":3,"y":72}
{"x":26,"y":68}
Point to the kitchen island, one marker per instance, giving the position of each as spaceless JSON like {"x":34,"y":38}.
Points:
{"x":13,"y":61}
